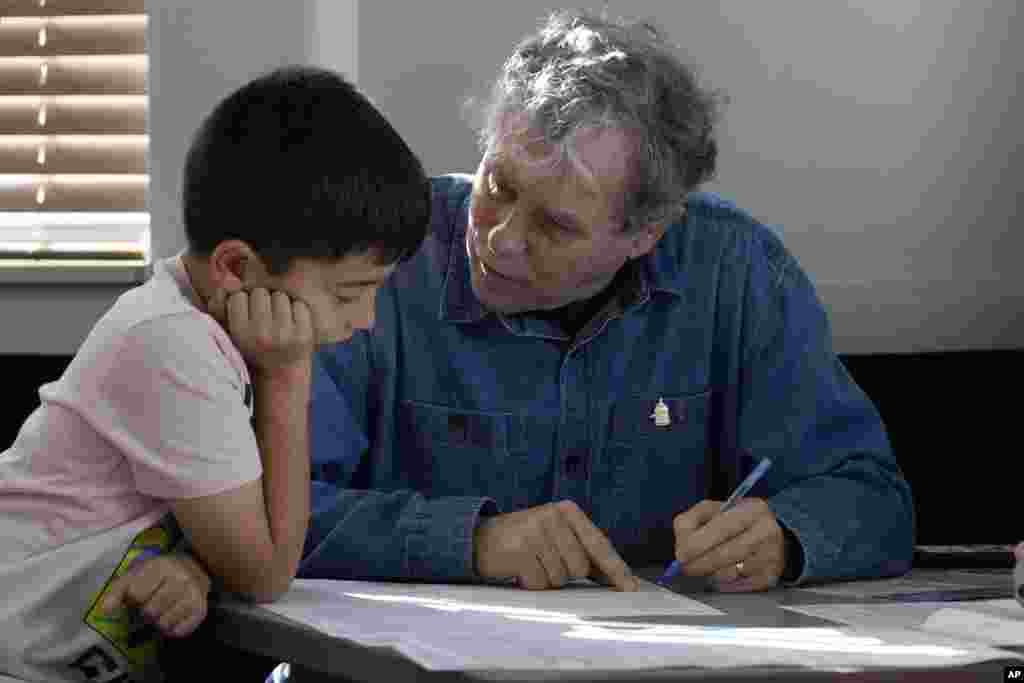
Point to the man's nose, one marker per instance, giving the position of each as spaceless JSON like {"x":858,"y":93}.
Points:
{"x":366,"y":317}
{"x":508,"y":238}
{"x":367,"y":321}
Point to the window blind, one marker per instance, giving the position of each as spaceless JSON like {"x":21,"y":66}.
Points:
{"x":73,"y":141}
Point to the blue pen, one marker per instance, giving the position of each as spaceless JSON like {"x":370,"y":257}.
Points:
{"x":741,"y":490}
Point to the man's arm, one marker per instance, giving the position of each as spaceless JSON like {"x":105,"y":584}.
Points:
{"x":846,"y":502}
{"x":365,"y":534}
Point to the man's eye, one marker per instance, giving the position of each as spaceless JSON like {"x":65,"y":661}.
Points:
{"x":557,"y":229}
{"x":346,"y":299}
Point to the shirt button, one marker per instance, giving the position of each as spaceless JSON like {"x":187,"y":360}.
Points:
{"x":573,"y":464}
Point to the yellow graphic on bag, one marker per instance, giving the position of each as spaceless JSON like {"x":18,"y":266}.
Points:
{"x":133,"y":636}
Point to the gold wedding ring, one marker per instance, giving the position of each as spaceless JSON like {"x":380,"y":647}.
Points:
{"x":739,"y":569}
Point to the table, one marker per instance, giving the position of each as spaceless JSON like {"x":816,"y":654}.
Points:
{"x":316,"y":657}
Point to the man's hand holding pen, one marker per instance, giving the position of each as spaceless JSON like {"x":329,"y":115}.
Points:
{"x":738,"y":543}
{"x":741,"y":549}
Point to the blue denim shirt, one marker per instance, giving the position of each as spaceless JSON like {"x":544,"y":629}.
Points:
{"x":445,"y":412}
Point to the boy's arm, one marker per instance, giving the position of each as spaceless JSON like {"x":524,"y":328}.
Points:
{"x":176,"y":411}
{"x":252,"y":537}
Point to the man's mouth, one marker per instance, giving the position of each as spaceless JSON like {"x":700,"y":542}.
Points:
{"x":491,"y":271}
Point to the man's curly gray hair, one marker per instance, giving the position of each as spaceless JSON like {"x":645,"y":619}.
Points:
{"x":580,"y":71}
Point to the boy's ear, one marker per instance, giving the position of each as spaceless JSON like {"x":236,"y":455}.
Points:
{"x":644,"y":239}
{"x":230,"y":262}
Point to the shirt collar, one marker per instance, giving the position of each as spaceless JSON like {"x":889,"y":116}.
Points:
{"x":176,"y":266}
{"x":458,"y":301}
{"x":659,"y":270}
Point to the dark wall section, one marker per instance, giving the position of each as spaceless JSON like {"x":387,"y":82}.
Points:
{"x":954,"y":420}
{"x":22,"y":376}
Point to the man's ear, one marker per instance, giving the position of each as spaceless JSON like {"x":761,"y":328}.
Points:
{"x":644,"y":239}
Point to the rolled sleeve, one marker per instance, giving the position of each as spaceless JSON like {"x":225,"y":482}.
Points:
{"x":385,"y":535}
{"x":439,"y":538}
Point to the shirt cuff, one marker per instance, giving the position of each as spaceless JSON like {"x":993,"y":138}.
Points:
{"x":439,"y":543}
{"x":818,"y":554}
{"x":794,"y":557}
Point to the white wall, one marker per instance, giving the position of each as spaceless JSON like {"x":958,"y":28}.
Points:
{"x":199,"y":51}
{"x":878,"y":133}
{"x":882,"y":135}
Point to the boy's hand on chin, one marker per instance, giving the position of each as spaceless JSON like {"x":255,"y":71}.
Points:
{"x":273,"y":331}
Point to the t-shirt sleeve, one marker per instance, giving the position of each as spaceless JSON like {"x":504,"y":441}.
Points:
{"x":174,"y":404}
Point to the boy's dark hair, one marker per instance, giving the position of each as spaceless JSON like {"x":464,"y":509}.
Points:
{"x":299,"y":164}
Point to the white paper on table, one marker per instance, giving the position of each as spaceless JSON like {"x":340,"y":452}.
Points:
{"x":994,"y":622}
{"x":903,"y":584}
{"x":885,"y":615}
{"x":996,"y":627}
{"x":450,"y":627}
{"x":582,"y":598}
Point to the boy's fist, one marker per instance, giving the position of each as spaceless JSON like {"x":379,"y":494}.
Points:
{"x":169,"y":591}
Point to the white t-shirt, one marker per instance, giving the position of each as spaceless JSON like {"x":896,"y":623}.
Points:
{"x":156,"y":405}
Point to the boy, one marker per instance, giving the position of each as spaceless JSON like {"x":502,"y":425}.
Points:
{"x":184,"y":413}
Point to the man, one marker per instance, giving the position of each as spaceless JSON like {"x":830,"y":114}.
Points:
{"x":586,"y":356}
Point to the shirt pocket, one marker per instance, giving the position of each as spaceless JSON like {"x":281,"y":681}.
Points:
{"x":632,"y":421}
{"x":656,"y":471}
{"x":455,"y":452}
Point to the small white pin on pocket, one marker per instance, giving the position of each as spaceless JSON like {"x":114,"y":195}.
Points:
{"x":660,"y":415}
